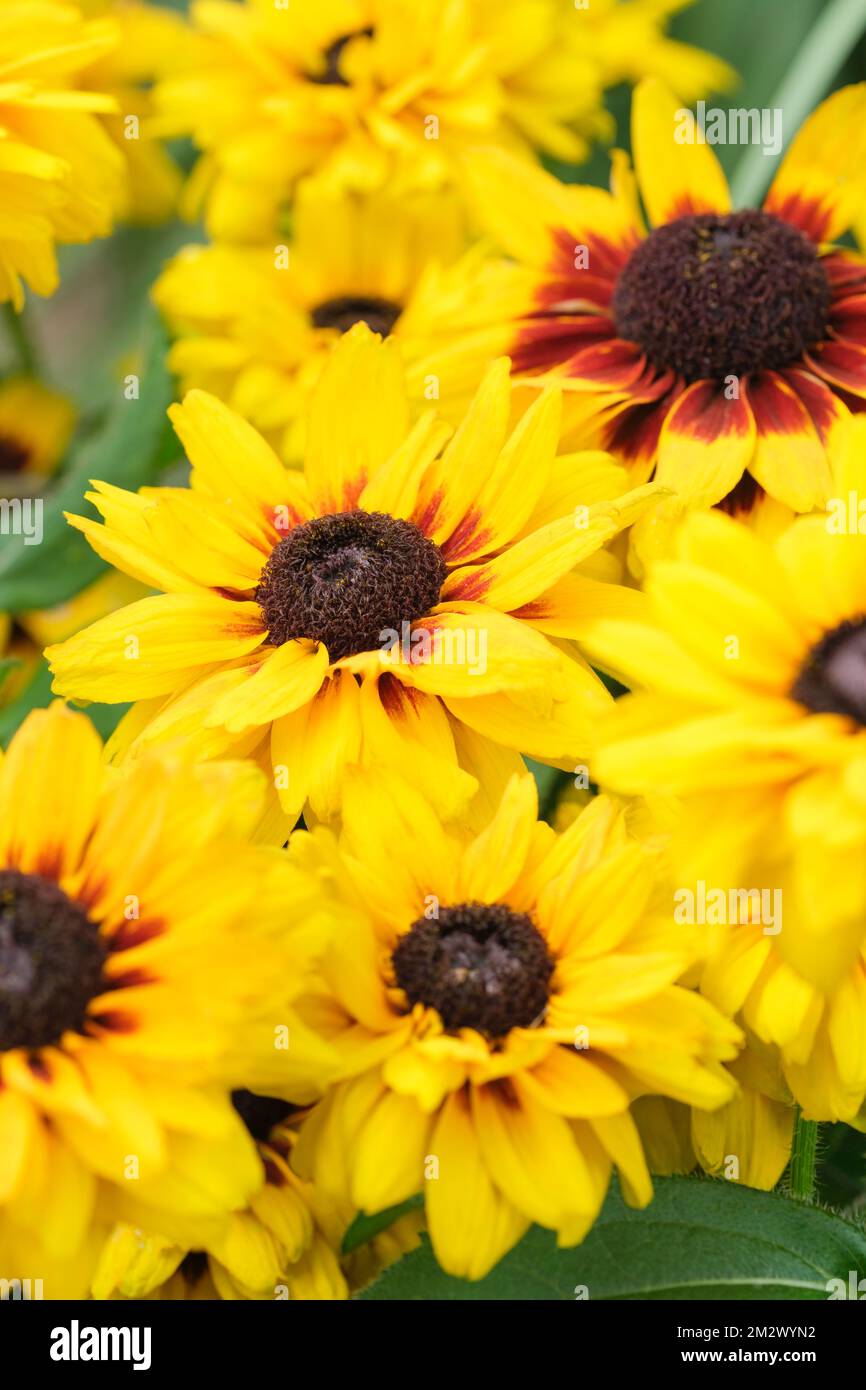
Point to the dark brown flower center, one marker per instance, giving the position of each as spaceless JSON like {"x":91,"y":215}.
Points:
{"x":14,"y":454}
{"x":330,"y":75}
{"x":833,"y":678}
{"x":349,"y":580}
{"x":260,"y":1113}
{"x":480,"y":965}
{"x":380,"y":315}
{"x":51,"y":959}
{"x":711,"y":295}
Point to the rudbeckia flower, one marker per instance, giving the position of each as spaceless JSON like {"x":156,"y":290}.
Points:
{"x":404,"y":598}
{"x":750,"y":709}
{"x":36,"y":424}
{"x":61,"y":178}
{"x":147,"y":964}
{"x":721,"y":348}
{"x":497,"y":1000}
{"x":285,"y":1245}
{"x":363,"y":91}
{"x":255,"y":324}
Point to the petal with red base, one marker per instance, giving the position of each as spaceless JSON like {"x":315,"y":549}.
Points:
{"x":633,"y":435}
{"x":549,"y":343}
{"x":822,"y":403}
{"x":790,"y":461}
{"x":816,"y":186}
{"x":612,"y":366}
{"x":706,"y":444}
{"x":841,"y":363}
{"x":848,"y":318}
{"x":675,"y":179}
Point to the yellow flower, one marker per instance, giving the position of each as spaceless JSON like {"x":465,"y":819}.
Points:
{"x":497,"y":1001}
{"x":366,"y":91}
{"x":255,"y":325}
{"x":750,"y":659}
{"x":61,"y":178}
{"x":747,"y":1141}
{"x":404,"y":598}
{"x":146,"y":970}
{"x":36,"y":425}
{"x":285,"y":1245}
{"x":669,"y":343}
{"x":152,"y":41}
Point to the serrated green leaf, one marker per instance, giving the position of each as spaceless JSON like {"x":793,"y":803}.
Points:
{"x":699,"y":1239}
{"x":125,"y":451}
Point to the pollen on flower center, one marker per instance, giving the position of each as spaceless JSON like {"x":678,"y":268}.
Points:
{"x":712,"y":295}
{"x":833,"y":677}
{"x":343,"y":313}
{"x":480,"y":965}
{"x":51,"y":959}
{"x":347,"y":579}
{"x":330,"y":76}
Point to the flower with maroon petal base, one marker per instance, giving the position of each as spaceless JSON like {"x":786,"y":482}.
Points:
{"x":721,"y":343}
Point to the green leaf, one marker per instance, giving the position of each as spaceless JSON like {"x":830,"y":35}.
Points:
{"x":699,"y":1238}
{"x":37,"y":695}
{"x":125,"y":451}
{"x":365,"y":1227}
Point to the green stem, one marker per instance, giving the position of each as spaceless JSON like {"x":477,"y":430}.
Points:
{"x":21,"y":343}
{"x":821,"y":55}
{"x":804,"y":1158}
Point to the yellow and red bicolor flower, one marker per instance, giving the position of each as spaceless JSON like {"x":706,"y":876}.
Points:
{"x":720,"y":349}
{"x":749,"y":708}
{"x":498,"y":1001}
{"x":149,"y":954}
{"x":410,"y":595}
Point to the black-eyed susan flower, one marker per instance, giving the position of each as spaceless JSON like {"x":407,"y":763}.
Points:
{"x":750,"y":709}
{"x":147,"y":965}
{"x":36,"y":424}
{"x":254,"y":325}
{"x":363,"y":91}
{"x":403,"y":598}
{"x":498,"y":1000}
{"x":61,"y":178}
{"x":722,"y":347}
{"x":285,"y":1245}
